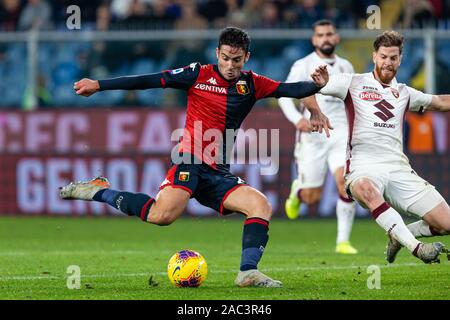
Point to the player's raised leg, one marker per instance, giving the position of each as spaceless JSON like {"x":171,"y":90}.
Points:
{"x":258,"y":210}
{"x":436,"y":222}
{"x":434,"y":212}
{"x":345,"y":214}
{"x":367,"y":193}
{"x":170,"y":205}
{"x":438,"y":219}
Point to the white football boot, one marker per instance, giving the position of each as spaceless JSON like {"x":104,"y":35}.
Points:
{"x":255,"y":278}
{"x":84,"y":190}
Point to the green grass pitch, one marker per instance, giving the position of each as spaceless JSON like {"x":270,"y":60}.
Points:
{"x":117,"y":257}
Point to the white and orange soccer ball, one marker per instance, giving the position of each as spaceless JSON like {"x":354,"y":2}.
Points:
{"x":187,"y":268}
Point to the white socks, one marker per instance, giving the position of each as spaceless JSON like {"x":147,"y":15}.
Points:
{"x":345,"y":213}
{"x":391,"y":221}
{"x":420,"y":229}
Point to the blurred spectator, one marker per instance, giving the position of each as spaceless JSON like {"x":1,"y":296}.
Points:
{"x":344,"y":14}
{"x":160,"y":15}
{"x":212,"y":9}
{"x":138,"y":16}
{"x":252,"y":12}
{"x":9,"y":14}
{"x":419,"y":135}
{"x":269,"y":17}
{"x":283,"y":6}
{"x":182,"y":53}
{"x":105,"y":57}
{"x":308,"y":11}
{"x":42,"y":93}
{"x":416,"y":14}
{"x":36,"y":15}
{"x":103,"y":18}
{"x":190,"y":19}
{"x":145,"y":14}
{"x":174,"y":8}
{"x":120,"y":9}
{"x":235,"y":15}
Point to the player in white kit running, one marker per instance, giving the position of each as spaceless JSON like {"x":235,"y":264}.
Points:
{"x":377,"y":173}
{"x":314,"y":154}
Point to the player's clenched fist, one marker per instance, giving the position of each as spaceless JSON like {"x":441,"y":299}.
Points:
{"x":86,"y":87}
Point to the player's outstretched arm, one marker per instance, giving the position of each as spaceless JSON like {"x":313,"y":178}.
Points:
{"x":440,"y":103}
{"x":181,"y":78}
{"x":303,"y":89}
{"x":87,"y":87}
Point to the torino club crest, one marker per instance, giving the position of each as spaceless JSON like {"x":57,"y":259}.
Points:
{"x":395,"y":93}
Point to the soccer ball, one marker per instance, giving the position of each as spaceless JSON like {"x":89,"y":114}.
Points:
{"x":187,"y":268}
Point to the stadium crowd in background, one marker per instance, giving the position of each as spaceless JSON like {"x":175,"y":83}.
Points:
{"x":59,"y":65}
{"x":166,"y":14}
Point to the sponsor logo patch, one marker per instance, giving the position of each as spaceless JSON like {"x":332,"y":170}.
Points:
{"x":370,"y":88}
{"x":212,"y":81}
{"x":384,"y":113}
{"x":370,"y":96}
{"x":384,"y":125}
{"x":207,"y":87}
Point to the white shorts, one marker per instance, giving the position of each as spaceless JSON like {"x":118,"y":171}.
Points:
{"x":315,"y":158}
{"x":400,"y":186}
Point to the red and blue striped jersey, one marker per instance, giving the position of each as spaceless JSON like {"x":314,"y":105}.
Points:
{"x":214,"y":105}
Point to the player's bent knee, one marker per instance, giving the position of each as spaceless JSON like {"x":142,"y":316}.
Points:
{"x":445,"y":227}
{"x":310,"y":197}
{"x":162,"y":218}
{"x":365,"y":189}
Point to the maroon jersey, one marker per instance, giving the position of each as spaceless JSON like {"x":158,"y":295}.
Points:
{"x":215,"y":105}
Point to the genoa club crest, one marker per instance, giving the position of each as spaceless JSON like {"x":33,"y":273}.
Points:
{"x":395,"y":93}
{"x":183,"y":176}
{"x":241,"y":87}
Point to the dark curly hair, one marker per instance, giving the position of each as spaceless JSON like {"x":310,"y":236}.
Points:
{"x":235,"y":37}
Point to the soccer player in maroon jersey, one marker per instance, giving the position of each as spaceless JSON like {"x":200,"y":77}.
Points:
{"x":219,"y":98}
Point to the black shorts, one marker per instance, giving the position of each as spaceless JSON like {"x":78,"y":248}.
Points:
{"x":208,"y":186}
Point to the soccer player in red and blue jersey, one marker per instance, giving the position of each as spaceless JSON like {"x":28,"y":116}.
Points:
{"x":219,"y":98}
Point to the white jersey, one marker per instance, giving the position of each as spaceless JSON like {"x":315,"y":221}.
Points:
{"x":332,"y":107}
{"x":375,"y":117}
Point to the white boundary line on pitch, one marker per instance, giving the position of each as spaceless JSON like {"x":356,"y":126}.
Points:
{"x":318,"y":268}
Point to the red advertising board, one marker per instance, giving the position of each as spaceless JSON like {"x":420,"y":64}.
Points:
{"x":43,"y":150}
